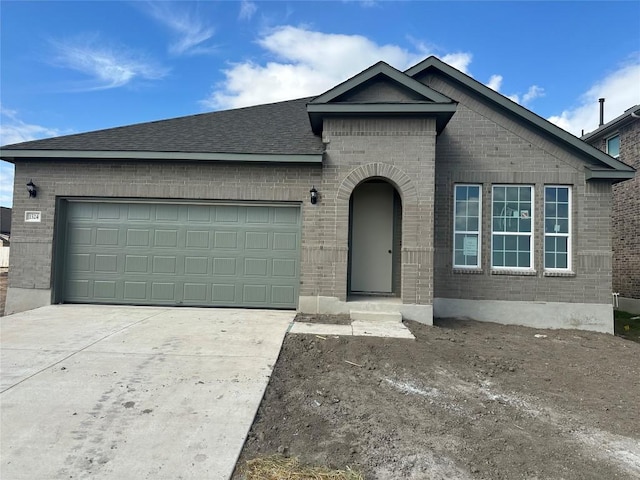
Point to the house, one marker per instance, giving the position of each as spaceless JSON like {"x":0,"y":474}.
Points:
{"x":421,"y":192}
{"x":620,"y":138}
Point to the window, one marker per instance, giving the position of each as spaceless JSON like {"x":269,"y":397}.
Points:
{"x":511,"y":234}
{"x":557,"y":228}
{"x":613,"y":146}
{"x":466,"y":226}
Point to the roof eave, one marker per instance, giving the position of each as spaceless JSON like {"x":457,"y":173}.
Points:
{"x":11,"y":155}
{"x":604,"y":174}
{"x":540,"y":123}
{"x":441,"y":111}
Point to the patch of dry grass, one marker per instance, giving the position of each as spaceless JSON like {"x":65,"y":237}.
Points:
{"x":278,"y":467}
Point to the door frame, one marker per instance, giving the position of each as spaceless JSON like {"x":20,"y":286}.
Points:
{"x":396,"y":276}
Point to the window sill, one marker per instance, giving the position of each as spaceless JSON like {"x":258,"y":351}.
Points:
{"x":468,"y":271}
{"x":559,"y":274}
{"x":520,"y":273}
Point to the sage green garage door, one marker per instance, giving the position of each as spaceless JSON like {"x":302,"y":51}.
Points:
{"x":182,"y":254}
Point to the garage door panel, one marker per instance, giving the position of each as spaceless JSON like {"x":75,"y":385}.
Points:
{"x":283,"y":295}
{"x":196,"y":265}
{"x":199,"y":213}
{"x":164,"y":264}
{"x":164,"y":292}
{"x":108,"y":211}
{"x":226,"y":214}
{"x":256,"y":240}
{"x":106,"y":263}
{"x":138,"y":238}
{"x":256,"y":267}
{"x":224,"y":293}
{"x":197,"y":239}
{"x":166,"y":238}
{"x":225,"y":239}
{"x":81,"y":236}
{"x":254,"y":294}
{"x":195,"y":292}
{"x":167,"y":213}
{"x":225,"y":267}
{"x":284,"y":267}
{"x":285,"y":241}
{"x":181,"y":254}
{"x":135,"y":291}
{"x":136,"y":264}
{"x":104,"y":289}
{"x":139,"y":212}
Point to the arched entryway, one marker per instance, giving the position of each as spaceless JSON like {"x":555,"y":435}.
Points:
{"x":375,"y":239}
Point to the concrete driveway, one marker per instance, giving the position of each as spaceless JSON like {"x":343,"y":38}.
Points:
{"x":132,"y":392}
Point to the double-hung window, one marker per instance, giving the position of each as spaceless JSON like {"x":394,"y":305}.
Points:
{"x":466,"y":228}
{"x":613,"y":146}
{"x":511,"y":227}
{"x":557,"y":228}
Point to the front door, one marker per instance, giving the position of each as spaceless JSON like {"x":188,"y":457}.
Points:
{"x":372,"y":238}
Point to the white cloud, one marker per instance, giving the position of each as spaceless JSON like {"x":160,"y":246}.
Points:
{"x":534,"y":92}
{"x":108,"y":66}
{"x":247,"y":10}
{"x":620,"y":88}
{"x":14,"y":130}
{"x":495,"y":82}
{"x":308,"y":63}
{"x":190,"y":30}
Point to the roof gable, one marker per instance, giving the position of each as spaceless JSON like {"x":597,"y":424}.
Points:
{"x":381,"y":71}
{"x":381,"y":90}
{"x":606,"y":167}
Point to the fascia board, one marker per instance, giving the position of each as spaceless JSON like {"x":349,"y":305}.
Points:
{"x":388,"y":71}
{"x":517,"y":110}
{"x":10,"y":155}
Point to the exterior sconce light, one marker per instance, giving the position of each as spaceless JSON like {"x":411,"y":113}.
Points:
{"x":31,"y":188}
{"x":314,"y":195}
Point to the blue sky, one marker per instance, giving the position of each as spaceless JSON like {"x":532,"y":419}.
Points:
{"x":70,"y":67}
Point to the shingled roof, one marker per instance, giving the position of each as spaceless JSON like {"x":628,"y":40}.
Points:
{"x":280,"y":128}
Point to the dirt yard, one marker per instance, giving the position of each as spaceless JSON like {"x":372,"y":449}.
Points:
{"x":465,"y":400}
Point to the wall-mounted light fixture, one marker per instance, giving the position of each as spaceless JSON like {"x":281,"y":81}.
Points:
{"x":31,"y":188}
{"x":314,"y":195}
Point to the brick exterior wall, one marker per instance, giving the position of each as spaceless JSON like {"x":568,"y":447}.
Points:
{"x":32,"y":243}
{"x":401,"y":151}
{"x":480,"y":145}
{"x":626,"y":214}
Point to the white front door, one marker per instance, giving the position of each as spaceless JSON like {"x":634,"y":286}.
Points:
{"x":372,"y":238}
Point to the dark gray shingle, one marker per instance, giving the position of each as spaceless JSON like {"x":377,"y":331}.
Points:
{"x":275,"y":128}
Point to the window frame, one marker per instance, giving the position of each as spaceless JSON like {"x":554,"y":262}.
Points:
{"x":478,"y":232}
{"x":606,"y":143}
{"x":531,"y":233}
{"x":567,"y":235}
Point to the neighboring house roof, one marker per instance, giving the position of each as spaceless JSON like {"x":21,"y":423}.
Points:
{"x":610,"y":127}
{"x":281,"y":131}
{"x":252,"y":133}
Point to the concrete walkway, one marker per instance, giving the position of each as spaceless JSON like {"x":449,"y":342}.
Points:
{"x":386,"y":329}
{"x":107,"y":392}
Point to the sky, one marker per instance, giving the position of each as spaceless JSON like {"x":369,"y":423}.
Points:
{"x":72,"y":67}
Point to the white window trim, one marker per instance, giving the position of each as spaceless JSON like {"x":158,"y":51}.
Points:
{"x":531,"y":234}
{"x":568,"y":235}
{"x":479,"y":232}
{"x":606,"y":144}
